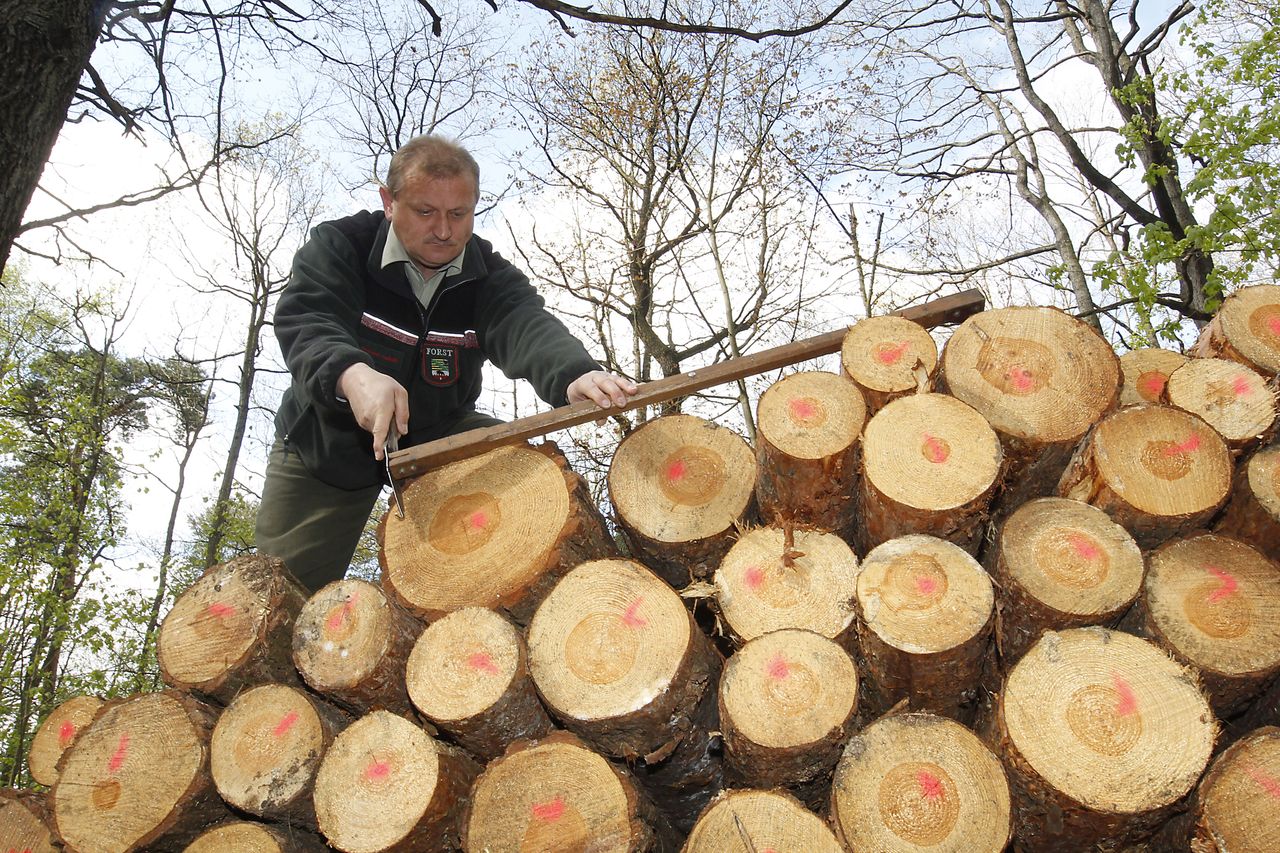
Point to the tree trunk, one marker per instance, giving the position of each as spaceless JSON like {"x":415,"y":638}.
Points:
{"x":888,"y":357}
{"x":25,"y":821}
{"x":1234,"y":400}
{"x":1234,"y":809}
{"x":1146,"y":372}
{"x":680,"y":487}
{"x":47,"y":48}
{"x":1245,"y":329}
{"x":1253,"y":513}
{"x":1042,"y":379}
{"x":926,"y":617}
{"x":56,"y":734}
{"x":760,"y":820}
{"x":1138,"y":733}
{"x":495,"y":531}
{"x":232,"y":629}
{"x":773,"y":579}
{"x":386,"y":785}
{"x":351,"y":644}
{"x":1214,"y":604}
{"x":469,"y":674}
{"x":787,"y":702}
{"x":930,"y":464}
{"x":138,"y":777}
{"x":1157,"y":471}
{"x":267,"y":747}
{"x":556,"y":794}
{"x":244,"y":836}
{"x":911,"y":782}
{"x":808,"y":425}
{"x":1061,"y":564}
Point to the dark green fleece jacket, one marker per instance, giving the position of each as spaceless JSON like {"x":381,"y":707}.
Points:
{"x":341,"y":307}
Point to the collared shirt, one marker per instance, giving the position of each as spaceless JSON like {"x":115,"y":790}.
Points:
{"x":423,"y":288}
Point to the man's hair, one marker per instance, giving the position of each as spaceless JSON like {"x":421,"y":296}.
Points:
{"x":433,"y":156}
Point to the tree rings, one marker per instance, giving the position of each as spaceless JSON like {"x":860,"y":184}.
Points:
{"x":1232,"y":399}
{"x":56,"y":734}
{"x":1146,"y":372}
{"x":888,"y":357}
{"x":768,"y":820}
{"x":1246,"y":329}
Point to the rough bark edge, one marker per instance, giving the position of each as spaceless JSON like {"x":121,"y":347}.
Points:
{"x":1245,"y":518}
{"x":883,"y":518}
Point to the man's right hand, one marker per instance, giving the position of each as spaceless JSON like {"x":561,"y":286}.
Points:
{"x":377,"y":401}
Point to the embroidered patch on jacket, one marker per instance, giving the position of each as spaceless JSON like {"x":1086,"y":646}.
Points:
{"x":440,"y":364}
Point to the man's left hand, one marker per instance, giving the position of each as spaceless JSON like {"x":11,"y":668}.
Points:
{"x":605,"y":389}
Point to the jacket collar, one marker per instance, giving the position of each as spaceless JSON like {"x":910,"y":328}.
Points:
{"x":394,"y":279}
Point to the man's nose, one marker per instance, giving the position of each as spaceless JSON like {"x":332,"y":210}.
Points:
{"x":441,"y":227}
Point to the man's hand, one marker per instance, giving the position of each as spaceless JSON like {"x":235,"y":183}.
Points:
{"x":377,"y":401}
{"x":604,"y":389}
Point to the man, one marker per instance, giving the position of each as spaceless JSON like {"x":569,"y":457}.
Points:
{"x":384,"y":325}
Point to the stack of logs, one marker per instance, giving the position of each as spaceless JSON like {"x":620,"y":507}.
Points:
{"x":1025,"y":595}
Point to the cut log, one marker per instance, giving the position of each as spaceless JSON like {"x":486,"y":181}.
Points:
{"x":244,"y":836}
{"x":680,"y":487}
{"x":495,"y":531}
{"x":911,"y":782}
{"x":1041,"y":378}
{"x":556,"y":794}
{"x":787,"y":701}
{"x":1156,"y":470}
{"x":1061,"y":564}
{"x":1245,"y":329}
{"x":888,"y":357}
{"x":56,"y":734}
{"x":618,"y":659}
{"x":24,"y":823}
{"x":930,"y":464}
{"x":1253,"y":512}
{"x":232,"y":629}
{"x":1102,"y":735}
{"x":760,"y":821}
{"x":267,"y":747}
{"x":927,"y":611}
{"x":1146,"y":372}
{"x":1236,"y":807}
{"x":138,"y":777}
{"x":1214,"y":604}
{"x":469,"y":674}
{"x":386,"y":785}
{"x":807,"y":430}
{"x":1234,"y":400}
{"x":351,"y":643}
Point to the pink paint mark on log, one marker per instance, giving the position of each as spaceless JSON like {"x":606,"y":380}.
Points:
{"x":1273,"y":324}
{"x":1084,"y":546}
{"x":482,"y":662}
{"x":926,"y":586}
{"x":552,"y":810}
{"x":66,"y":733}
{"x":1127,"y":703}
{"x":1189,"y":445}
{"x":341,"y":614}
{"x":1265,"y":781}
{"x":377,"y":771}
{"x":935,"y":450}
{"x":218,"y":610}
{"x":676,"y":471}
{"x":779,"y":668}
{"x":753,"y":577}
{"x":479,"y":520}
{"x":289,"y":721}
{"x":1021,"y":379}
{"x":632,"y":618}
{"x":802,"y":410}
{"x":117,"y":758}
{"x":1152,"y":385}
{"x":1227,"y":584}
{"x":1240,"y":387}
{"x":892,"y":353}
{"x":930,"y":786}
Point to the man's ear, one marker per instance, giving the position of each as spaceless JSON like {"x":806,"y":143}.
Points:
{"x":387,"y":199}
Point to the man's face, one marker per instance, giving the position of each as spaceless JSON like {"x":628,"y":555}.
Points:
{"x":433,"y":217}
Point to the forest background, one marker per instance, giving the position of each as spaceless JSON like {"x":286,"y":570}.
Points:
{"x":685,"y":181}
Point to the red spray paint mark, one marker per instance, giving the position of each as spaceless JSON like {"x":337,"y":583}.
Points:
{"x":926,"y":586}
{"x":218,"y":610}
{"x":802,"y":410}
{"x":1240,"y":387}
{"x":892,"y":353}
{"x":753,"y":577}
{"x":632,"y":618}
{"x":551,"y":810}
{"x":66,"y":732}
{"x":1127,"y":704}
{"x":377,"y":771}
{"x":1192,"y":443}
{"x":768,"y":850}
{"x":779,"y":668}
{"x":117,"y":758}
{"x":1152,"y":385}
{"x":282,"y":727}
{"x":1273,"y":324}
{"x":1266,"y":782}
{"x":337,"y":617}
{"x":676,"y":471}
{"x":1084,"y":546}
{"x":934,"y":450}
{"x":1227,"y":583}
{"x":930,"y":786}
{"x":1021,"y":379}
{"x":479,"y":520}
{"x":481,"y":662}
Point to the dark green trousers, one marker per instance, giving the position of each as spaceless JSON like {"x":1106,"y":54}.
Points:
{"x":313,"y":526}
